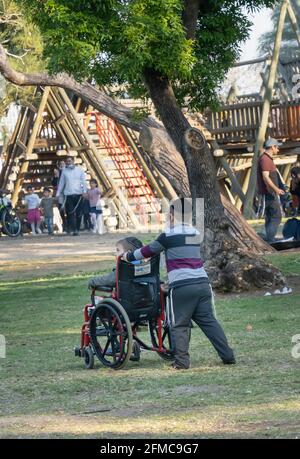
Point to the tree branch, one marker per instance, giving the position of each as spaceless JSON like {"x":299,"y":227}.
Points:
{"x":85,"y":90}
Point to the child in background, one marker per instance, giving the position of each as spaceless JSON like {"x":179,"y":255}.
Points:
{"x":46,"y":205}
{"x":94,"y":196}
{"x":32,"y":201}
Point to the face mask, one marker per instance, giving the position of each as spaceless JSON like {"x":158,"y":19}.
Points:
{"x":70,"y":166}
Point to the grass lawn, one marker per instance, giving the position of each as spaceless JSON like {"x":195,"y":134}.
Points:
{"x":46,"y":392}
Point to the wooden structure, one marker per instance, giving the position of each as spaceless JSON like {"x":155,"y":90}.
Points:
{"x":234,"y":129}
{"x":56,"y":128}
{"x":236,"y":125}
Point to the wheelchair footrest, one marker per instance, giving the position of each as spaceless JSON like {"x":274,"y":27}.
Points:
{"x":78,"y":351}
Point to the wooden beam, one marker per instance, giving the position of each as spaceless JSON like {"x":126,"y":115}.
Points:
{"x":236,"y":187}
{"x":21,"y":145}
{"x":46,"y":143}
{"x":31,"y":107}
{"x":248,"y":204}
{"x":252,"y":61}
{"x":294,"y":22}
{"x":60,"y":119}
{"x":30,"y":145}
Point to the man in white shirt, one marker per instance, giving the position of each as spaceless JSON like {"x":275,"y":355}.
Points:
{"x":72,"y":185}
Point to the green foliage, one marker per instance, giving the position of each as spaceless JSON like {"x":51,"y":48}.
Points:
{"x":114,"y":41}
{"x":22,"y":40}
{"x":289,"y":43}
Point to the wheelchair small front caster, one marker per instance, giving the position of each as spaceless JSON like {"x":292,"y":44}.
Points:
{"x":88,"y":356}
{"x":77,"y":351}
{"x":136,"y":352}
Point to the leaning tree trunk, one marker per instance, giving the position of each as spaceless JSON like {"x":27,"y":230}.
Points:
{"x":228,"y":239}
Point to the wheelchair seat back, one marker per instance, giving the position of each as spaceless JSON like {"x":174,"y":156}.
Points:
{"x":139,"y":289}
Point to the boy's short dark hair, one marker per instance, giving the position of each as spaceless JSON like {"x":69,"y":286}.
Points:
{"x":94,"y":181}
{"x":47,"y":189}
{"x":29,"y":187}
{"x":130,"y":243}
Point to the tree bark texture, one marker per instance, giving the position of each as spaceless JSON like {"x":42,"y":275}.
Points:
{"x":230,"y":245}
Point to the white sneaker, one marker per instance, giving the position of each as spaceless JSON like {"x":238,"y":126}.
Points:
{"x":39,"y":231}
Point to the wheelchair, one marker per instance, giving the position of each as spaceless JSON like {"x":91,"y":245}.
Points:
{"x":110,"y":329}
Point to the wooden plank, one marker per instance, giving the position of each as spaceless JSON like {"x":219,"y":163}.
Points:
{"x":230,"y":129}
{"x":60,"y":119}
{"x":30,"y":145}
{"x":46,"y":143}
{"x":21,"y":145}
{"x":235,"y":184}
{"x":31,"y":107}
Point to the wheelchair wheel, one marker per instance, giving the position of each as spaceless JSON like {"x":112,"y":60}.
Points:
{"x":11,"y":224}
{"x":167,"y":345}
{"x":111,"y":334}
{"x":88,"y":357}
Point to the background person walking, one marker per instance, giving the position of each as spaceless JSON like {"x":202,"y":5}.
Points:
{"x":268,"y":187}
{"x":72,"y":185}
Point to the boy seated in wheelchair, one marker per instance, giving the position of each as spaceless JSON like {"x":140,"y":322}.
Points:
{"x":109,"y":280}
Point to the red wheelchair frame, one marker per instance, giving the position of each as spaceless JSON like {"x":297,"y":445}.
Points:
{"x":108,"y":320}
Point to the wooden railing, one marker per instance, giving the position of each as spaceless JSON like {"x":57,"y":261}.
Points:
{"x":239,"y":123}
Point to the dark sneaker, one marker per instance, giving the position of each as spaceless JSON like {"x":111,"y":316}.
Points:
{"x":75,"y":233}
{"x":229,"y":362}
{"x":175,"y":366}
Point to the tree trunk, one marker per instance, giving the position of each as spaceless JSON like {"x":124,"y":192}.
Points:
{"x":228,"y":244}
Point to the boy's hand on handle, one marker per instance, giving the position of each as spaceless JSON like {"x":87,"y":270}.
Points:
{"x":91,"y":285}
{"x":124,"y":256}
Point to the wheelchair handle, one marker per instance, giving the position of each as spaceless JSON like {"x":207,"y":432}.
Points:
{"x":93,"y":296}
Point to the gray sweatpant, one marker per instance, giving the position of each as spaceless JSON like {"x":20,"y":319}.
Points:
{"x":195,"y":302}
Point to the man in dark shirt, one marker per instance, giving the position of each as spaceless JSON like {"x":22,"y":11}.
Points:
{"x":268,"y":186}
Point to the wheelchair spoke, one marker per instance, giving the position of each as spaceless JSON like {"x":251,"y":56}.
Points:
{"x":113,"y":344}
{"x":106,"y":347}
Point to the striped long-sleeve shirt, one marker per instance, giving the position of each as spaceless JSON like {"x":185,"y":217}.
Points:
{"x":183,"y":258}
